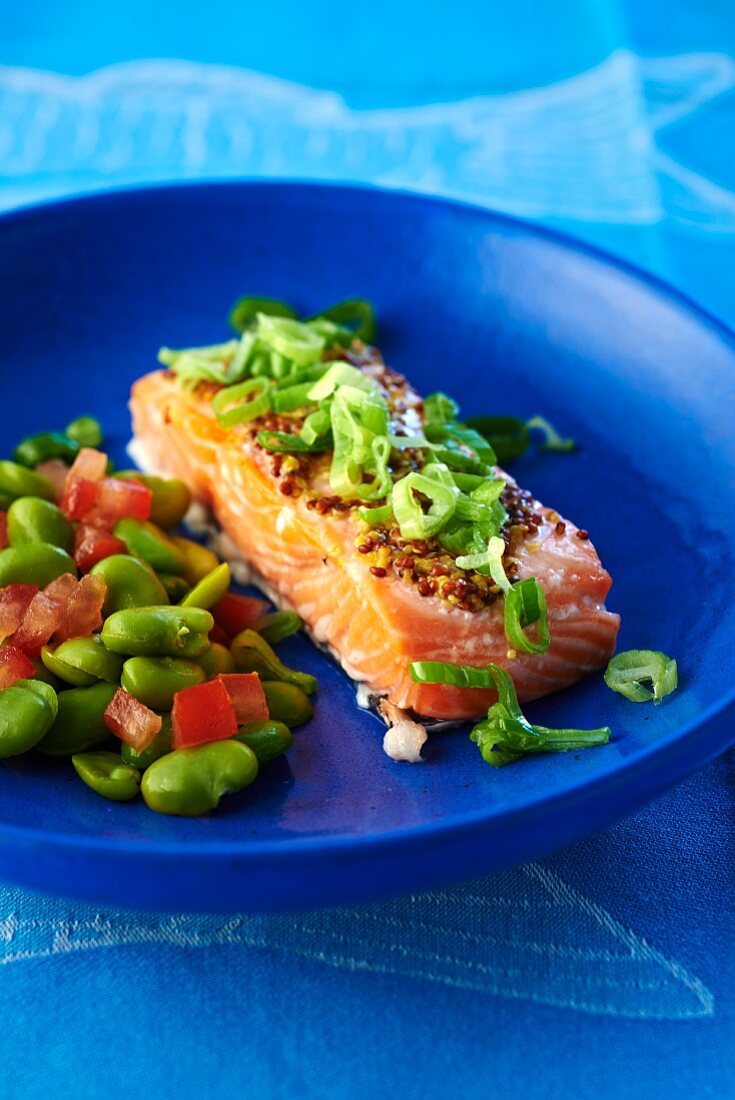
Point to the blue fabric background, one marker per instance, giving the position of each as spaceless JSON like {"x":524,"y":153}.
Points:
{"x":606,"y":969}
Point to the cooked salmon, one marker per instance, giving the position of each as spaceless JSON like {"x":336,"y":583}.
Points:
{"x":379,"y":602}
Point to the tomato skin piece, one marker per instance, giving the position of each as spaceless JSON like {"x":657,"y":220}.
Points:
{"x":235,"y":613}
{"x":44,"y":615}
{"x":83,"y":610}
{"x":14,"y":665}
{"x":132,"y":721}
{"x":14,"y":601}
{"x":3,"y":530}
{"x":248,"y":698}
{"x":92,"y":544}
{"x":118,"y":499}
{"x":201,"y":714}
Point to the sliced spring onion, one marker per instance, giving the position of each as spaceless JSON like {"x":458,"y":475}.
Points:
{"x":206,"y":364}
{"x":291,"y":397}
{"x":278,"y":625}
{"x":629,"y":672}
{"x":292,"y":339}
{"x":552,"y":440}
{"x":524,"y":605}
{"x":506,"y":734}
{"x":231,"y":406}
{"x":244,"y":312}
{"x":413,"y":521}
{"x":376,"y":517}
{"x":507,"y":435}
{"x":439,"y":409}
{"x":354,"y":314}
{"x":361,"y":445}
{"x":340,"y":374}
{"x":489,"y":560}
{"x":316,"y":426}
{"x":283,"y":443}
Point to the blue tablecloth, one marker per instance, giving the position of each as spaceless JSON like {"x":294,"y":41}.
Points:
{"x":605,"y":969}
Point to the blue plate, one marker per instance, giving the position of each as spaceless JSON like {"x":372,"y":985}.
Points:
{"x":508,"y":318}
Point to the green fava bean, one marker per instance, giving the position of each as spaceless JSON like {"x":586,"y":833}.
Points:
{"x":176,"y":587}
{"x":44,"y":674}
{"x":17,"y":481}
{"x":278,"y":625}
{"x":287,"y":703}
{"x":217,"y":659}
{"x":83,"y":661}
{"x":189,"y":782}
{"x":160,"y":745}
{"x":85,"y":430}
{"x":155,"y":680}
{"x":31,"y":519}
{"x":35,"y":449}
{"x":27,"y":711}
{"x":36,"y":563}
{"x":210,"y":589}
{"x":130,"y":583}
{"x":158,"y":631}
{"x":146,"y":541}
{"x":198,"y":560}
{"x":80,"y":722}
{"x":268,"y":740}
{"x":253,"y":654}
{"x":171,"y":497}
{"x":107,"y":774}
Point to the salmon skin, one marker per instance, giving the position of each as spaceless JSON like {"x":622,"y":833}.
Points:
{"x":378,"y":602}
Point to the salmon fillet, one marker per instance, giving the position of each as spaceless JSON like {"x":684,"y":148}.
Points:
{"x":370,"y":605}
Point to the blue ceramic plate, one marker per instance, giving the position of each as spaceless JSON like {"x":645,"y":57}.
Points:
{"x":509,"y":319}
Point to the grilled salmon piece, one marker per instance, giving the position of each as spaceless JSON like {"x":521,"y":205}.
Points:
{"x":375,"y":604}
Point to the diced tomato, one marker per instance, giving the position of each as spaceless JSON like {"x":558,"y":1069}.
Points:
{"x":81,"y":487}
{"x":201,"y":714}
{"x":55,"y":471}
{"x":3,"y":530}
{"x":89,"y":464}
{"x":79,"y":497}
{"x":118,"y":498}
{"x":235,"y":613}
{"x":44,"y":615}
{"x":83,"y":611}
{"x":218,"y":635}
{"x":247,"y":695}
{"x":92,"y":544}
{"x":14,"y":665}
{"x":131,"y":720}
{"x":14,"y":601}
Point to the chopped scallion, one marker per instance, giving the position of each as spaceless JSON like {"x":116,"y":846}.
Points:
{"x":230,"y":408}
{"x":628,"y":673}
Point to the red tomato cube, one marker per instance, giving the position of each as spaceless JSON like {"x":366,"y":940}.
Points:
{"x":234,"y":613}
{"x":92,"y":544}
{"x":14,"y":665}
{"x":79,"y":497}
{"x":14,"y":600}
{"x":83,"y":611}
{"x":118,"y":498}
{"x":247,"y":695}
{"x":44,"y":615}
{"x":201,"y":714}
{"x":131,"y":720}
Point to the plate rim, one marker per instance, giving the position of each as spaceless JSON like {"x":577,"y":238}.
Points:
{"x":629,"y":774}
